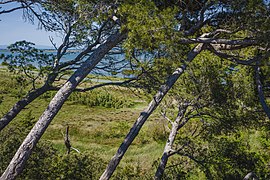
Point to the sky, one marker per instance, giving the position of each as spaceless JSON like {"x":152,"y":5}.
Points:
{"x":14,"y":28}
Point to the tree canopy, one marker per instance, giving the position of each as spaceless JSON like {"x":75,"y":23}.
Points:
{"x":213,"y":57}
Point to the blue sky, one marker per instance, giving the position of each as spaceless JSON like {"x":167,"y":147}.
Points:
{"x":13,"y":28}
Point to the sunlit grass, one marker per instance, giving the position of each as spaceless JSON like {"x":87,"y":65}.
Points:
{"x":92,"y":129}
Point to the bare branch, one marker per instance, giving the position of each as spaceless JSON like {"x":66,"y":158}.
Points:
{"x":106,"y":84}
{"x":206,"y":40}
{"x":11,"y":10}
{"x":168,"y":119}
{"x":201,"y":21}
{"x":87,"y":50}
{"x":67,"y":141}
{"x":191,"y":157}
{"x":41,"y":21}
{"x":233,"y":58}
{"x":6,"y":2}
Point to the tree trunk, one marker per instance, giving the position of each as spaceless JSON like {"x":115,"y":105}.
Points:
{"x":145,"y":114}
{"x":17,"y":163}
{"x":251,"y":175}
{"x":167,"y":150}
{"x":179,"y":122}
{"x":260,"y":91}
{"x":18,"y":106}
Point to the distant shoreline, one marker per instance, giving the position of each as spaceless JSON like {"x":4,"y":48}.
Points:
{"x":46,"y":50}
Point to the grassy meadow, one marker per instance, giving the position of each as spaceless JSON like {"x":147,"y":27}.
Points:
{"x":98,"y":120}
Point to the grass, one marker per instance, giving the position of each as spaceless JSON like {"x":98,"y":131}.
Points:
{"x":92,"y":129}
{"x":97,"y":129}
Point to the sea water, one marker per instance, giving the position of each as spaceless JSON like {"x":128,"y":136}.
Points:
{"x":104,"y":68}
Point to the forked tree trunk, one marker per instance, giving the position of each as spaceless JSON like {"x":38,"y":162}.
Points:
{"x":146,"y":113}
{"x":17,"y":163}
{"x":167,"y":151}
{"x":179,"y":122}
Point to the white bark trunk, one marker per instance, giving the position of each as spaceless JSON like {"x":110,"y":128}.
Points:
{"x":179,"y":122}
{"x":18,"y":106}
{"x":167,"y":149}
{"x":145,"y":114}
{"x":17,"y":163}
{"x":22,"y":103}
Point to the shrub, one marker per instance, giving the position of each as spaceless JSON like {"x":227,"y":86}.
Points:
{"x":45,"y":161}
{"x":99,"y":98}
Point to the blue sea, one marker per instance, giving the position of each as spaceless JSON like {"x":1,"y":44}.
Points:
{"x":108,"y":62}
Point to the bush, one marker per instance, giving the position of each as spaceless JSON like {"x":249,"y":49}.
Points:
{"x":45,"y":161}
{"x":157,"y":132}
{"x":77,"y":166}
{"x":99,"y":98}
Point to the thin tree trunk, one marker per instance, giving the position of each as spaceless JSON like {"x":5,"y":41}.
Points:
{"x":18,"y":106}
{"x":146,"y":113}
{"x":260,"y":91}
{"x":67,"y":141}
{"x":17,"y":163}
{"x":167,"y":150}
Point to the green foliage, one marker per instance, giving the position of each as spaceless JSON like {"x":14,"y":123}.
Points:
{"x":225,"y":103}
{"x":28,"y":62}
{"x":94,"y":98}
{"x":157,"y":132}
{"x":100,"y":98}
{"x":38,"y":164}
{"x":128,"y":172}
{"x":224,"y":92}
{"x":9,"y":85}
{"x":218,"y":157}
{"x":148,"y":26}
{"x":46,"y":162}
{"x":234,"y":158}
{"x":77,"y":166}
{"x":152,"y":45}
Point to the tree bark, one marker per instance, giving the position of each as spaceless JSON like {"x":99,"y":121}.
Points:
{"x":167,"y":150}
{"x":251,"y":175}
{"x":17,"y":163}
{"x":179,"y":122}
{"x":260,"y":91}
{"x":146,"y":113}
{"x":18,"y":106}
{"x":67,"y":141}
{"x":30,"y":97}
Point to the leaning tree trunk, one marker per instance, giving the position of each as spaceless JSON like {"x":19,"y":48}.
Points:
{"x":22,"y":103}
{"x":260,"y":91}
{"x":146,"y":113}
{"x":18,"y":106}
{"x":17,"y":163}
